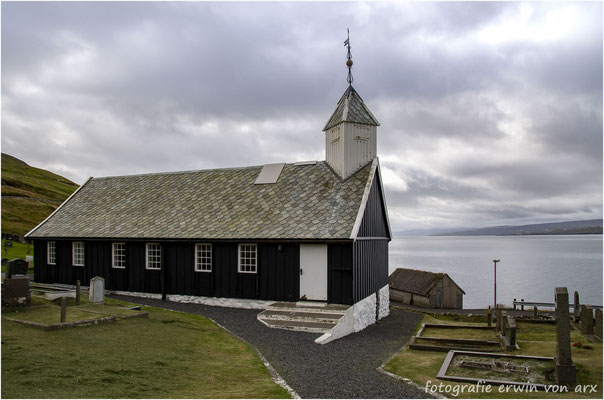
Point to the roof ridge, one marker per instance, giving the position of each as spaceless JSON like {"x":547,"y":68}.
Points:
{"x":192,"y":171}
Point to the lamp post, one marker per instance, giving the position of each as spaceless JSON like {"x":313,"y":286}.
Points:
{"x":495,"y":285}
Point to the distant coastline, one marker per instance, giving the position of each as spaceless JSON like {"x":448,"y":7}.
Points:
{"x":583,"y":227}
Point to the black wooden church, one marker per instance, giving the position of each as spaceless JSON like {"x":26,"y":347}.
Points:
{"x":303,"y":230}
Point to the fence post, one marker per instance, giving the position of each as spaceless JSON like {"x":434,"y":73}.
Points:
{"x":63,"y":309}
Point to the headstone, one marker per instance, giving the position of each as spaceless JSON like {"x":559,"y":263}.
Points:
{"x":565,"y":371}
{"x":16,"y":266}
{"x":598,"y":331}
{"x":15,"y":291}
{"x":509,"y":336}
{"x":489,"y":317}
{"x":587,"y":320}
{"x":577,"y":309}
{"x":96,"y":292}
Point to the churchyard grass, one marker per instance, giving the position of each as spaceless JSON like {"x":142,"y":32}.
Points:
{"x":534,"y":339}
{"x":167,"y":355}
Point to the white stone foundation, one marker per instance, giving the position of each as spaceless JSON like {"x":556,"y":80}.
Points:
{"x":384,"y":297}
{"x":208,"y":301}
{"x":364,"y":313}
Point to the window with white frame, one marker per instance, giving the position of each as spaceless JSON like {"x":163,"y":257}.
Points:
{"x":203,"y":257}
{"x":153,"y":256}
{"x":78,"y":254}
{"x":248,"y":258}
{"x":118,"y":259}
{"x":51,"y":258}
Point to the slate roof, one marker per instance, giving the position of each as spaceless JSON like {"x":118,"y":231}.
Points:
{"x":351,"y":108}
{"x":416,"y":281}
{"x":306,"y":202}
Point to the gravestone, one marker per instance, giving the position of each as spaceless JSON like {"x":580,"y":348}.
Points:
{"x":509,"y":333}
{"x":96,"y":292}
{"x":598,"y":331}
{"x":16,"y":266}
{"x":577,"y":309}
{"x":498,"y":319}
{"x":566,"y":371}
{"x":15,"y":291}
{"x":587,"y":320}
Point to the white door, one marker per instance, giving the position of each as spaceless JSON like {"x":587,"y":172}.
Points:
{"x":313,"y":271}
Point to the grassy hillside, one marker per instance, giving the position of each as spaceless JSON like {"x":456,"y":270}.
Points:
{"x":29,"y":195}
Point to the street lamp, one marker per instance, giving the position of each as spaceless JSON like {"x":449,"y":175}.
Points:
{"x":495,"y":285}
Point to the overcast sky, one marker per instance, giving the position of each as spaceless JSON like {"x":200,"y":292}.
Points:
{"x":491,"y":113}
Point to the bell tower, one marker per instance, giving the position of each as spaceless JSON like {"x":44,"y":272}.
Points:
{"x":351,"y":131}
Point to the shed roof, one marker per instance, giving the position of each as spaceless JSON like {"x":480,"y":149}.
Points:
{"x":416,"y":281}
{"x":351,"y":108}
{"x":306,"y":202}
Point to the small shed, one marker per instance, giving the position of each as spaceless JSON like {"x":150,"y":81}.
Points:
{"x":425,"y":289}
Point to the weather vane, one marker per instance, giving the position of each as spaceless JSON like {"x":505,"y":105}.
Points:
{"x":349,"y":61}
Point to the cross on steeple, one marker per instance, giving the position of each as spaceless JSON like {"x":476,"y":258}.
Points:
{"x":349,"y":79}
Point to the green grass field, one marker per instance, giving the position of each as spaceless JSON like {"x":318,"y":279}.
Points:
{"x":29,"y":194}
{"x":534,"y":339}
{"x":167,"y":355}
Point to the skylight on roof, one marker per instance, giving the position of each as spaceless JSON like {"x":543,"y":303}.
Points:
{"x":269,"y":174}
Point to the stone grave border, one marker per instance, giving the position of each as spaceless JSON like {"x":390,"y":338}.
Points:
{"x":442,"y":373}
{"x":448,"y":344}
{"x":61,"y":325}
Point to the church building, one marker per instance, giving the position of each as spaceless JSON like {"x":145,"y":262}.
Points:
{"x":314,"y":230}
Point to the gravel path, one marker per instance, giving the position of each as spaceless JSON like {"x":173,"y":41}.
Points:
{"x":345,"y":368}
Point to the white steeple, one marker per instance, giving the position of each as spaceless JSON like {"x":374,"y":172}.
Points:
{"x":351,"y":132}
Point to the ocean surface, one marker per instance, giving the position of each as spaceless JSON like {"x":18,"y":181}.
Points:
{"x":530,"y":268}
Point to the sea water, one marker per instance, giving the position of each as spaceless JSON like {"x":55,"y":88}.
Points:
{"x":530,"y":267}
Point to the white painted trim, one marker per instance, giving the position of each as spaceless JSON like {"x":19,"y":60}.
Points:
{"x":48,"y":253}
{"x":359,"y":219}
{"x":58,"y":208}
{"x":379,"y":171}
{"x":113,"y":255}
{"x":147,"y":256}
{"x":73,"y":244}
{"x":195,"y":269}
{"x":239,"y":258}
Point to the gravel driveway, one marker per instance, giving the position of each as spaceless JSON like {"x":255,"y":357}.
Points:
{"x":345,"y":368}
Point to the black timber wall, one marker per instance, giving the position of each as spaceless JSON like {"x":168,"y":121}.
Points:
{"x":374,"y":223}
{"x":339,"y":273}
{"x":370,"y":249}
{"x":277,"y":278}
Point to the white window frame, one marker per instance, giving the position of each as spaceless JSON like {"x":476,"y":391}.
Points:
{"x":54,"y":253}
{"x":123,"y":251}
{"x":73,"y":254}
{"x":253,"y":248}
{"x":147,"y":265}
{"x":203,"y":261}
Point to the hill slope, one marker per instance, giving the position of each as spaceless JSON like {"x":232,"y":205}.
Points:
{"x":29,"y":195}
{"x":554,"y":228}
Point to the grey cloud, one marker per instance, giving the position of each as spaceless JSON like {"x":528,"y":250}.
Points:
{"x":118,"y":88}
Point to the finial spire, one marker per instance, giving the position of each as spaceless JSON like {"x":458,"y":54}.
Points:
{"x":349,"y":61}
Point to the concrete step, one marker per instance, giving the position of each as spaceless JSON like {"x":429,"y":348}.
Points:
{"x":310,"y":307}
{"x":300,"y":316}
{"x":303,"y":326}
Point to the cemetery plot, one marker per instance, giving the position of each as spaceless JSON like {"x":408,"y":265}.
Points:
{"x":437,"y":337}
{"x":498,"y":369}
